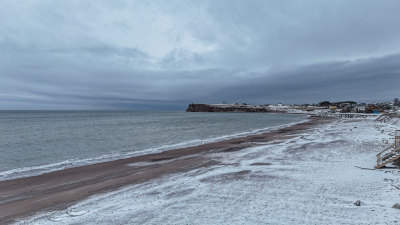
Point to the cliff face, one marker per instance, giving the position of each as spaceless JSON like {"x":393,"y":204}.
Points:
{"x":226,"y":108}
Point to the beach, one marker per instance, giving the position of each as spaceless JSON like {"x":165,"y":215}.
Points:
{"x":25,"y":196}
{"x":199,"y":112}
{"x":309,"y":173}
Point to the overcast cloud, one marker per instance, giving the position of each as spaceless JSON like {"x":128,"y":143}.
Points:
{"x":99,"y":54}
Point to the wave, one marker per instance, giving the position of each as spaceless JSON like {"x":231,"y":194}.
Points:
{"x":70,"y":163}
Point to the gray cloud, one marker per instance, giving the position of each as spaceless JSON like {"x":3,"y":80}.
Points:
{"x":166,"y":54}
{"x":372,"y":79}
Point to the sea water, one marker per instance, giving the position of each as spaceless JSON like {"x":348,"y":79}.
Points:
{"x":33,"y":142}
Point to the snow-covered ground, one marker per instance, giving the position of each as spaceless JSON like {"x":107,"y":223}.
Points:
{"x":311,"y":179}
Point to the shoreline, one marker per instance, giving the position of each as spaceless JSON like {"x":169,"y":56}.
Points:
{"x":24,"y":197}
{"x":31,"y":171}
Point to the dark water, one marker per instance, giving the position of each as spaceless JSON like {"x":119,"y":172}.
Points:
{"x":32,"y":142}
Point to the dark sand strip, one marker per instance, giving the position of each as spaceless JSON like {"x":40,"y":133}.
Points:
{"x":23,"y":197}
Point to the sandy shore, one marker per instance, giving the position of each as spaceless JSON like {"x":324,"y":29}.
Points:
{"x":57,"y":190}
{"x":312,"y":173}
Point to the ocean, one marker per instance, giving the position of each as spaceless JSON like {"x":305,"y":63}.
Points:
{"x":34,"y":142}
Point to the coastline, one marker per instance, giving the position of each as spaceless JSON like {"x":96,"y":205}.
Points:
{"x":59,"y":189}
{"x":30,"y":171}
{"x":311,"y":176}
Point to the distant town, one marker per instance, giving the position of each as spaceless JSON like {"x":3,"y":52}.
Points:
{"x":325,"y":106}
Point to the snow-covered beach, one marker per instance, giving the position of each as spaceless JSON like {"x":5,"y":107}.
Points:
{"x":313,"y":177}
{"x":206,"y":112}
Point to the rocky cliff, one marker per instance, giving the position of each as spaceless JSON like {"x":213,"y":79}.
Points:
{"x":227,"y":108}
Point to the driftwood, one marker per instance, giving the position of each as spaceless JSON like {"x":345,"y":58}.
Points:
{"x":364,"y":168}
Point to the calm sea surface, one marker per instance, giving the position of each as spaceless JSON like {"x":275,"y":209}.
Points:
{"x":33,"y":142}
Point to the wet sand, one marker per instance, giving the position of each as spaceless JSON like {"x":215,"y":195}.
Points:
{"x":23,"y":197}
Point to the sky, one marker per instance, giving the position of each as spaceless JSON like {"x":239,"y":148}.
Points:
{"x":163,"y":55}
